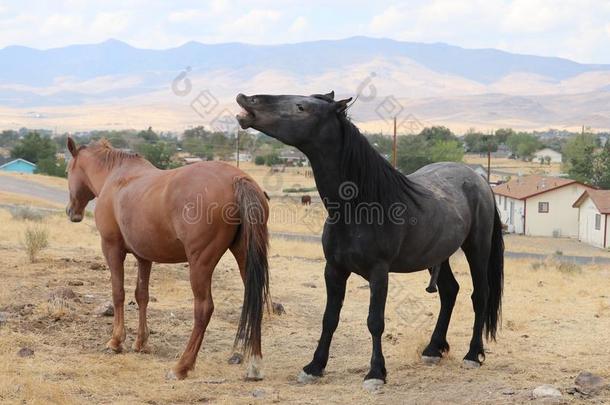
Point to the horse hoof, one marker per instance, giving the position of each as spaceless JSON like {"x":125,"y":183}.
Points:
{"x":471,"y":364}
{"x":170,"y":376}
{"x":113,"y":350}
{"x":254,"y":372}
{"x":430,"y":360}
{"x":304,"y":378}
{"x":373,"y":385}
{"x":141,"y":348}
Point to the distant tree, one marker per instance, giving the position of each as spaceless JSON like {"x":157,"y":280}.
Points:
{"x":477,"y":142}
{"x":437,"y":133}
{"x":159,"y":154}
{"x":382,"y":143}
{"x":446,"y":151}
{"x":523,"y":145}
{"x":52,"y":167}
{"x":34,"y":147}
{"x":259,"y":160}
{"x":503,"y":134}
{"x":578,"y":156}
{"x":601,"y":168}
{"x":272,"y":159}
{"x":149,"y":135}
{"x":8,"y":138}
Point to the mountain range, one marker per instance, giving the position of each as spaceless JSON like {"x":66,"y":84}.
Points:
{"x":114,"y":85}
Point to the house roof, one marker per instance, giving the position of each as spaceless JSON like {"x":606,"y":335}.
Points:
{"x":601,"y":199}
{"x":11,"y":160}
{"x":547,"y":150}
{"x":529,"y":186}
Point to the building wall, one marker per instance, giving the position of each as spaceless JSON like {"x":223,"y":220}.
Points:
{"x":19,"y":167}
{"x":504,"y":206}
{"x":562,"y":217}
{"x":586,"y":230}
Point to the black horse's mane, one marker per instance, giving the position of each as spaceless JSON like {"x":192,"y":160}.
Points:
{"x":376,"y":179}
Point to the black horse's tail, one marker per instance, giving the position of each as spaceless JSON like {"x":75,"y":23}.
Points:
{"x":495,"y":278}
{"x":253,"y":213}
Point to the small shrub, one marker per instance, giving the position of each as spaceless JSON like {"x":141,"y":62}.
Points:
{"x":559,"y":253}
{"x":570,"y":268}
{"x":36,"y":239}
{"x":536,"y":265}
{"x":25,"y":213}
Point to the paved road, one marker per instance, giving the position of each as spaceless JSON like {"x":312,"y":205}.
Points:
{"x":21,"y":186}
{"x":33,"y":189}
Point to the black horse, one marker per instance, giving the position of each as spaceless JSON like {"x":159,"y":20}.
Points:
{"x":380,"y":221}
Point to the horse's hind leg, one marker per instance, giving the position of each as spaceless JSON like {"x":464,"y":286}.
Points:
{"x":255,"y":371}
{"x":115,"y":257}
{"x":448,"y":289}
{"x":201,"y":269}
{"x":478,"y":258}
{"x":142,"y":299}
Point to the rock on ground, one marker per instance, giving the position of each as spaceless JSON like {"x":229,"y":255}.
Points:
{"x":25,"y":352}
{"x":546,"y":391}
{"x":589,"y":383}
{"x":237,"y":358}
{"x":278,"y":309}
{"x":105,"y":309}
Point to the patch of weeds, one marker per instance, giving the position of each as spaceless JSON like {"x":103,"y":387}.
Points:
{"x":25,"y":213}
{"x":36,"y":239}
{"x":569,"y":268}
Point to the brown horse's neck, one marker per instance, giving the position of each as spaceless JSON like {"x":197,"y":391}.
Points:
{"x":97,"y":173}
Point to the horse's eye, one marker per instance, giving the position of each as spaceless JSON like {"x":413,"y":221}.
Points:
{"x":300,"y":107}
{"x":254,"y":100}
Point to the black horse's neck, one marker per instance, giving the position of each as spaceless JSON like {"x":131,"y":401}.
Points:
{"x":347,"y":169}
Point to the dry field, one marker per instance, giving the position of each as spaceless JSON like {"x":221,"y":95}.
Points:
{"x":556,"y":323}
{"x":514,"y":166}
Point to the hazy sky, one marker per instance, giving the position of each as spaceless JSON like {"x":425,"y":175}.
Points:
{"x":576,"y":29}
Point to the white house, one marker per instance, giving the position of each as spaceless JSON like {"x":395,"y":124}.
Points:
{"x":593,"y":210}
{"x":553,"y":155}
{"x":540,"y":205}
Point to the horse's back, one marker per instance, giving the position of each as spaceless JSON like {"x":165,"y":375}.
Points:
{"x":165,"y":215}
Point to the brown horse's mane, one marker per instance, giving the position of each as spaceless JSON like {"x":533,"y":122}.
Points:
{"x":107,"y":156}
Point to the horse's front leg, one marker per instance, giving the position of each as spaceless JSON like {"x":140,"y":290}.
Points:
{"x":336,"y":281}
{"x":142,"y":299}
{"x":115,"y":254}
{"x":378,"y":283}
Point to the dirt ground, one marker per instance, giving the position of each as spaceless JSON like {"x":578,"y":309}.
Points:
{"x":556,"y":323}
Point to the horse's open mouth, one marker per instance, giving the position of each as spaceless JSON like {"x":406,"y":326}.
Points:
{"x":246,"y":116}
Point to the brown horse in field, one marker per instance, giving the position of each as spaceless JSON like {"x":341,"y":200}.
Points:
{"x":192,"y":214}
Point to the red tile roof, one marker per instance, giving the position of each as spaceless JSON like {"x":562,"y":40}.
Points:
{"x":524,"y":187}
{"x":601,"y":199}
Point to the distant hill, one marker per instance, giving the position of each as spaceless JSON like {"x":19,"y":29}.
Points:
{"x":115,"y":84}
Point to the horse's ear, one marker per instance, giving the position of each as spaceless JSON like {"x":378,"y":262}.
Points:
{"x":72,"y":147}
{"x":330,"y":95}
{"x":342,"y":105}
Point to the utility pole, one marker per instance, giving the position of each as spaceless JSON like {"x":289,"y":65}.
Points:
{"x":394,"y":145}
{"x":237,"y":148}
{"x":488,"y":161}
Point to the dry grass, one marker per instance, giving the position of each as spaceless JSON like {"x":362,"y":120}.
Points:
{"x":49,"y":181}
{"x":555,"y":324}
{"x":36,"y":238}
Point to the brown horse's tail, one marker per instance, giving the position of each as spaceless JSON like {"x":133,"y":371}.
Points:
{"x":253,"y":213}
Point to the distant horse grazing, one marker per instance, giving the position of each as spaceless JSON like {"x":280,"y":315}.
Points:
{"x":380,"y":221}
{"x":192,"y":214}
{"x":306,"y":200}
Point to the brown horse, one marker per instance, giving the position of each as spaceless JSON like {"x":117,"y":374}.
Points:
{"x":192,"y":214}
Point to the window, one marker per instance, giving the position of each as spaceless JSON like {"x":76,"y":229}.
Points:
{"x":598,"y":222}
{"x":543,"y":207}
